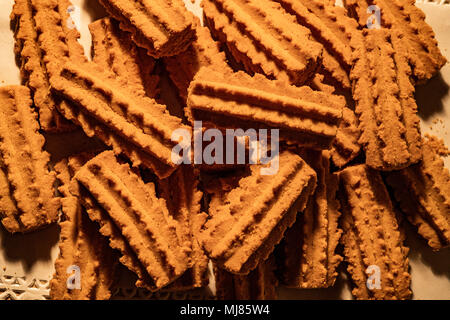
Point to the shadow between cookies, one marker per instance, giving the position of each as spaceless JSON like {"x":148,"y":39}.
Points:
{"x":437,"y":261}
{"x":29,"y":248}
{"x":94,"y":9}
{"x":429,"y":96}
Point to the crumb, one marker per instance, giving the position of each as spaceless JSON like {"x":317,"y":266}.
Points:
{"x":438,"y":145}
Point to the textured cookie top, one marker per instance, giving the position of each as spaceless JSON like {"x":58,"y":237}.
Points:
{"x":242,"y":220}
{"x":297,"y":112}
{"x":385,"y":103}
{"x":27,"y":196}
{"x":163,"y":27}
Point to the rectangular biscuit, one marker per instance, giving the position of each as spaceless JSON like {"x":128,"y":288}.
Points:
{"x":309,"y":118}
{"x":372,"y":239}
{"x":346,"y":146}
{"x":264,"y":38}
{"x":247,"y":220}
{"x":27,"y":194}
{"x":183,"y":198}
{"x":259,"y":284}
{"x":423,"y":194}
{"x":331,"y":27}
{"x":385,"y":104}
{"x":114,"y":50}
{"x":81,"y":245}
{"x":163,"y":27}
{"x":44,"y":40}
{"x":204,"y":52}
{"x":134,"y":219}
{"x":405,"y":17}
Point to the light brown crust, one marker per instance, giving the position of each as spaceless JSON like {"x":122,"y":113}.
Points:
{"x":307,"y":255}
{"x":418,"y":38}
{"x":241,"y":101}
{"x":246,"y":222}
{"x":142,"y":220}
{"x":80,"y":244}
{"x":423,"y":194}
{"x":114,"y":50}
{"x":385,"y":103}
{"x":131,"y":124}
{"x":259,"y":284}
{"x":163,"y":27}
{"x":28,"y":199}
{"x":371,"y":235}
{"x":264,"y":38}
{"x":44,"y":41}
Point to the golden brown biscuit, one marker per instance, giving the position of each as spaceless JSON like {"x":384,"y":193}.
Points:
{"x":248,"y":219}
{"x":330,"y":26}
{"x":114,"y":50}
{"x":346,"y":146}
{"x":81,"y":245}
{"x":136,"y":222}
{"x":307,"y":255}
{"x":163,"y":27}
{"x":183,"y":197}
{"x":27,"y":195}
{"x":264,"y":38}
{"x":372,"y":239}
{"x":385,"y":104}
{"x":204,"y":52}
{"x":129,"y":123}
{"x":44,"y":40}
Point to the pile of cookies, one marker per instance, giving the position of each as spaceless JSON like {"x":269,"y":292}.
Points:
{"x":352,"y":161}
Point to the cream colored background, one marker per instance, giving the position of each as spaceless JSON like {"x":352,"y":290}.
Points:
{"x":25,"y":258}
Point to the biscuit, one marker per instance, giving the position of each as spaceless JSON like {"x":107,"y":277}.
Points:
{"x":310,"y":118}
{"x":307,"y":256}
{"x":417,"y":36}
{"x":372,"y":239}
{"x":183,"y":198}
{"x":163,"y":27}
{"x":330,"y":26}
{"x":81,"y":245}
{"x":129,"y":123}
{"x":114,"y":50}
{"x":135,"y":221}
{"x":423,"y":194}
{"x":259,"y":284}
{"x":27,"y":196}
{"x":44,"y":40}
{"x":248,"y":220}
{"x":264,"y":38}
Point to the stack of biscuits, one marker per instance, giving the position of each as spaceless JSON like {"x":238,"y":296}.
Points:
{"x":352,"y":163}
